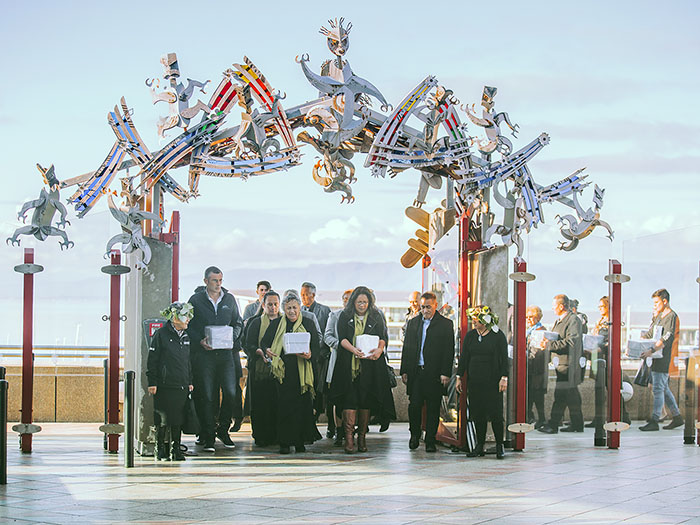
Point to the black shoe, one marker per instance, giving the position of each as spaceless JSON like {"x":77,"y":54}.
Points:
{"x":571,"y":429}
{"x":199,"y":441}
{"x":236,"y":425}
{"x":330,"y":433}
{"x":384,"y":426}
{"x":339,"y":438}
{"x":546,"y":429}
{"x":209,"y":446}
{"x":163,"y":453}
{"x":651,"y":426}
{"x":413,"y":442}
{"x":430,"y":447}
{"x":284,"y":449}
{"x":592,"y":424}
{"x":500,"y":453}
{"x":540,"y":424}
{"x":299,"y":448}
{"x":225,"y":439}
{"x":676,"y":422}
{"x":477,"y":452}
{"x":176,"y":452}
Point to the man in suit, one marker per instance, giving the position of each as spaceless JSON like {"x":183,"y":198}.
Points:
{"x":426,"y":366}
{"x":566,"y":353}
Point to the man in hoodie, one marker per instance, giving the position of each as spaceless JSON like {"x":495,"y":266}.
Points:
{"x":214,"y":369}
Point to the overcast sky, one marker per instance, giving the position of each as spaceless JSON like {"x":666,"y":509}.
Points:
{"x":614,"y":84}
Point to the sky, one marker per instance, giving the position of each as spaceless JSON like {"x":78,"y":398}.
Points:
{"x":614,"y":85}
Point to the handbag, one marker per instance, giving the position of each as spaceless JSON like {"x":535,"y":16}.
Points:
{"x":190,"y":424}
{"x":392,"y":376}
{"x":643,"y":376}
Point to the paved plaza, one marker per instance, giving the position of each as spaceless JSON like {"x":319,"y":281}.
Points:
{"x":68,"y":478}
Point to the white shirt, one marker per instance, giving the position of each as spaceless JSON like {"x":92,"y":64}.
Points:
{"x":426,"y":324}
{"x":216,"y":303}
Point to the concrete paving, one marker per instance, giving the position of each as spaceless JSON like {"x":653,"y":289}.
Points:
{"x":70,"y":479}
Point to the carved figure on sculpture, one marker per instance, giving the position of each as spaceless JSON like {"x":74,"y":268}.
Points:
{"x":586,"y":221}
{"x":45,"y":207}
{"x":491,"y":122}
{"x":131,"y":237}
{"x":177,"y":96}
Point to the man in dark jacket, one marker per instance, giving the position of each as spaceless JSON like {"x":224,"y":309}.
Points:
{"x":566,"y":352}
{"x":214,"y":369}
{"x":426,"y":367}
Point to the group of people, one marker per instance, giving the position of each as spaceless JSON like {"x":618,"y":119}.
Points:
{"x":569,"y":358}
{"x":287,"y":391}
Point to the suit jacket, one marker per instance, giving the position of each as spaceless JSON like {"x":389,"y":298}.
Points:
{"x":438,"y":350}
{"x":569,"y":347}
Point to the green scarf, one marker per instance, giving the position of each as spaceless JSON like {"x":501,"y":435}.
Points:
{"x":359,"y":330}
{"x":306,"y":373}
{"x":262,"y":370}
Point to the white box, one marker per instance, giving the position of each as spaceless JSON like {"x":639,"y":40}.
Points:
{"x":366,"y":343}
{"x":536,"y":337}
{"x":296,"y":342}
{"x":219,"y":337}
{"x":592,"y":342}
{"x":635,"y":347}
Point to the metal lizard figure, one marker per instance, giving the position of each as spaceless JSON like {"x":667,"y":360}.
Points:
{"x":492,"y":125}
{"x":587,"y":221}
{"x":131,"y":237}
{"x":48,"y":203}
{"x":177,"y":96}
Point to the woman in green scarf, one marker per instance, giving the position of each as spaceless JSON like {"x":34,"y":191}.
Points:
{"x":293,"y":376}
{"x":360,"y":381}
{"x":261,"y":383}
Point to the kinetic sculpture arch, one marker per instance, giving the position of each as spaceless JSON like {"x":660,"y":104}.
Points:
{"x":340,"y":123}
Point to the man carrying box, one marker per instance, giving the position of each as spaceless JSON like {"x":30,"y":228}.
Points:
{"x":667,"y":319}
{"x":214,"y":358}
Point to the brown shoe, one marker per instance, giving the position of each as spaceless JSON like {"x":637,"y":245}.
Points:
{"x":362,"y":422}
{"x":349,"y":426}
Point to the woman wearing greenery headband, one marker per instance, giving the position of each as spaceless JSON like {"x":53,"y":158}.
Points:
{"x":170,"y":379}
{"x":360,"y":381}
{"x":484,"y":359}
{"x":293,"y":376}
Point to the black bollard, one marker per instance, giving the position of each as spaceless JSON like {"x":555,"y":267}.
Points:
{"x":3,"y":371}
{"x":105,"y":365}
{"x":689,"y":428}
{"x":129,"y":381}
{"x":600,"y":434}
{"x":4,"y":386}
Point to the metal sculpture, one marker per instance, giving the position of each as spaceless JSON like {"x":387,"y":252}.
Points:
{"x":131,"y":237}
{"x":45,"y":207}
{"x":424,"y":132}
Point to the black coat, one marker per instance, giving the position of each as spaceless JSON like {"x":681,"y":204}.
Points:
{"x":204,"y":315}
{"x":438,"y":350}
{"x":169,"y":359}
{"x":569,"y":348}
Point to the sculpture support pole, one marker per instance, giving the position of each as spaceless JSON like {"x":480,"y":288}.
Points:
{"x":114,"y":300}
{"x":520,"y":349}
{"x":173,"y":238}
{"x":614,"y":368}
{"x":26,"y":428}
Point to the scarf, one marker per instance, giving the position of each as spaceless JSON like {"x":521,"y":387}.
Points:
{"x":359,"y":330}
{"x":534,"y":327}
{"x":306,"y":373}
{"x":262,"y":370}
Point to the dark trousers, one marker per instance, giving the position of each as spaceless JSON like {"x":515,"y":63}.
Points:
{"x":232,"y":408}
{"x":486,"y":404}
{"x":566,"y":395}
{"x":535,"y":396}
{"x":423,"y":390}
{"x":214,"y":370}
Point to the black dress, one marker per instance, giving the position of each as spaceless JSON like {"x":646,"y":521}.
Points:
{"x":169,"y":369}
{"x":262,"y":390}
{"x":371,"y":389}
{"x":295,"y":415}
{"x":485,"y":361}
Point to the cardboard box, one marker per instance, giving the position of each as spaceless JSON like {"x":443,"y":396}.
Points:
{"x":219,"y":337}
{"x":592,"y":342}
{"x":536,"y":337}
{"x":296,"y":342}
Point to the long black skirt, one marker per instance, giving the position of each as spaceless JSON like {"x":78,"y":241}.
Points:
{"x":295,"y":414}
{"x":169,"y":405}
{"x":263,"y":410}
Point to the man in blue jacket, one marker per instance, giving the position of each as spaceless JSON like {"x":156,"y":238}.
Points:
{"x":214,"y":369}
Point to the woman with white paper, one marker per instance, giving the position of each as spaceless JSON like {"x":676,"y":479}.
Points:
{"x":360,"y":381}
{"x":293,"y":375}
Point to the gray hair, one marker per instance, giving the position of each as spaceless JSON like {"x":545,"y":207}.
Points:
{"x":289,"y":296}
{"x":289,"y":292}
{"x":310,"y":286}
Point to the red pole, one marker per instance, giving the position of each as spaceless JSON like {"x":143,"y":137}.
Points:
{"x":27,"y":351}
{"x":614,"y":350}
{"x":463,"y":319}
{"x":697,"y":398}
{"x":113,"y":370}
{"x":175,"y":230}
{"x":520,"y":351}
